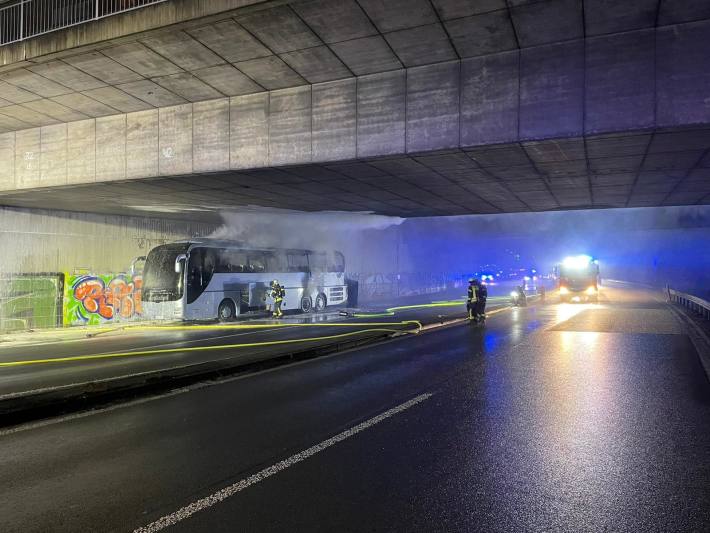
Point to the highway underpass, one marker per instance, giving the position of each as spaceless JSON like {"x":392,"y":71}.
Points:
{"x":571,"y":417}
{"x":425,"y":140}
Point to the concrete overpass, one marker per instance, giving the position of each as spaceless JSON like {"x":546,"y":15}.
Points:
{"x":410,"y":108}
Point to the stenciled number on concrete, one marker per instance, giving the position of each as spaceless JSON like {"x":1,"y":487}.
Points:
{"x":168,"y":152}
{"x":29,"y":157}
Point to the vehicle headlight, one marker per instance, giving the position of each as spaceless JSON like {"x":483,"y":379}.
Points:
{"x":564,"y":290}
{"x":591,"y":290}
{"x":514,"y":294}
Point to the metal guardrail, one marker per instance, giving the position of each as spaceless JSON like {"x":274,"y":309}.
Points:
{"x":29,"y":18}
{"x":695,"y":304}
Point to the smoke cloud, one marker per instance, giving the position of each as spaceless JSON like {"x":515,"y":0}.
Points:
{"x":323,"y":231}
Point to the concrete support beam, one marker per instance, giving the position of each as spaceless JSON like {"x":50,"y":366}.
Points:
{"x":617,"y":83}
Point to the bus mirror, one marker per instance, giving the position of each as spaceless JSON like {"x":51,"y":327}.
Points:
{"x":178,"y":262}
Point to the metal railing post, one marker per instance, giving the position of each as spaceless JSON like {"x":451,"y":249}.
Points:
{"x":22,"y":20}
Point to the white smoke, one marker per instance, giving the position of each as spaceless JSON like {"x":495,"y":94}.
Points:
{"x":321,"y":231}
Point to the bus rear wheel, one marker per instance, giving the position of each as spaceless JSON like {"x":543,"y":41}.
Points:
{"x":306,"y":304}
{"x":321,"y":303}
{"x":226,"y":312}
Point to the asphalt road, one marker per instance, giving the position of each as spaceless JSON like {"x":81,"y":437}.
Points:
{"x":551,"y":418}
{"x":79,"y":360}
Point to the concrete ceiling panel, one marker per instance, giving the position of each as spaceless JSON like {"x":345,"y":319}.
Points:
{"x":183,"y":50}
{"x":616,"y":164}
{"x":271,"y":72}
{"x":228,"y":80}
{"x":55,"y":110}
{"x":335,"y":20}
{"x":84,"y":104}
{"x":142,"y":60}
{"x":499,"y":155}
{"x":617,"y":145}
{"x":674,"y":141}
{"x":671,"y":160}
{"x":514,"y":173}
{"x":316,"y":64}
{"x":453,"y":9}
{"x":421,"y":45}
{"x":66,"y":75}
{"x":482,"y":34}
{"x":28,"y":116}
{"x":16,"y":95}
{"x":611,"y":16}
{"x":556,"y":150}
{"x":152,"y":93}
{"x":230,"y":41}
{"x":399,"y":14}
{"x":188,"y":87}
{"x":368,"y":55}
{"x":678,"y":11}
{"x":117,"y":99}
{"x":12,"y":124}
{"x":548,"y":22}
{"x":103,"y":68}
{"x":29,"y":81}
{"x":280,"y":29}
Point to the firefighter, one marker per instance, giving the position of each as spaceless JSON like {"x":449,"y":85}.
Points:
{"x":481,"y":298}
{"x":471,"y":299}
{"x":277,"y":294}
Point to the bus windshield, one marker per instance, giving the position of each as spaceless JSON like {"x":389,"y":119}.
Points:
{"x":160,"y":281}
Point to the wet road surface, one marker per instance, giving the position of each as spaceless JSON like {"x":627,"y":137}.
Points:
{"x":178,"y":345}
{"x":556,"y":417}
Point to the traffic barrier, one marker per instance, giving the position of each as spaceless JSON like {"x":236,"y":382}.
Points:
{"x":694,"y":303}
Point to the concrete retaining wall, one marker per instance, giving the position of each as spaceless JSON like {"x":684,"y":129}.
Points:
{"x":44,"y":241}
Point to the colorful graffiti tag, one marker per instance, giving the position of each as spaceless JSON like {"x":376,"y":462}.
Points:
{"x":96,"y":299}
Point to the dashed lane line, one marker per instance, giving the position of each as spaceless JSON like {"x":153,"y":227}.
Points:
{"x":227,"y":492}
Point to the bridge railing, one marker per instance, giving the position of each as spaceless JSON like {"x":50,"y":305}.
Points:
{"x":694,"y":303}
{"x":24,"y":19}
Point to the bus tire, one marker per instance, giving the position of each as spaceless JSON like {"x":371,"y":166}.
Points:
{"x":226,"y":312}
{"x":306,"y":304}
{"x":321,"y":303}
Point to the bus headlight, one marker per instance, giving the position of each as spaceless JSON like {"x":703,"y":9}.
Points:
{"x":591,"y":291}
{"x":564,"y":290}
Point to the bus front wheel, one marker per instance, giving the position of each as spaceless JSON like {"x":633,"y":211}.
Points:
{"x":321,"y":303}
{"x":226,"y":311}
{"x":306,"y":304}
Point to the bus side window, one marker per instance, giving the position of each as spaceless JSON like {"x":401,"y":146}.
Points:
{"x":297,"y":262}
{"x":256,"y":262}
{"x":317,"y":261}
{"x":231,"y":261}
{"x":275,"y":262}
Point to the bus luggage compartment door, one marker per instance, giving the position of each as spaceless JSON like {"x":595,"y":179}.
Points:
{"x":257,"y":294}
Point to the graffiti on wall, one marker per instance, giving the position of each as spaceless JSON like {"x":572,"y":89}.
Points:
{"x":95,"y":299}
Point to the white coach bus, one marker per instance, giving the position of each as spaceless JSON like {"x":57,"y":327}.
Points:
{"x":210,"y":279}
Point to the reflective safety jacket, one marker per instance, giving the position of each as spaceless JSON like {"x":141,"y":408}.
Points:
{"x":472,"y":296}
{"x":278,"y":292}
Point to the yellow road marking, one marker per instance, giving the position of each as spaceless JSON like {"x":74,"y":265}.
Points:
{"x":198,"y":348}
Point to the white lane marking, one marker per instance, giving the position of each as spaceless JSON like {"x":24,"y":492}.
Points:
{"x":231,"y":490}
